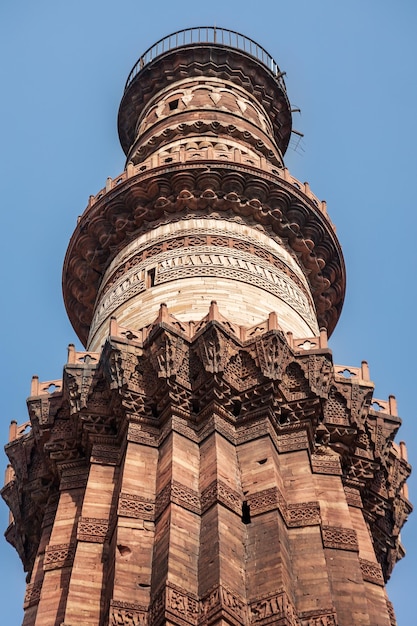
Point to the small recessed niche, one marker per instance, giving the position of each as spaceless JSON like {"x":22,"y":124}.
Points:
{"x":124,"y":551}
{"x":262,"y":461}
{"x":173,"y":104}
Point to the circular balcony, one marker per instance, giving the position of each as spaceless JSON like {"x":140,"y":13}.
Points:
{"x":207,"y":35}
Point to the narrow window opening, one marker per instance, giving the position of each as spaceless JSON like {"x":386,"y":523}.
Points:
{"x":173,"y":105}
{"x":150,"y":277}
{"x":195,"y":405}
{"x":154,"y":410}
{"x":237,"y":407}
{"x":246,"y":512}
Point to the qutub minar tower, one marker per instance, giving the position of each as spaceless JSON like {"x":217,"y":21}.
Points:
{"x":204,"y":461}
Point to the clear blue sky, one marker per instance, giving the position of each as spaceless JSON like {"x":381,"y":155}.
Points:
{"x":351,"y":68}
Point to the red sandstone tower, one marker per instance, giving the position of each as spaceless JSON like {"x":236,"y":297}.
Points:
{"x":204,"y":461}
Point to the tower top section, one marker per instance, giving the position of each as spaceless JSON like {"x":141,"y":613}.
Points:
{"x":211,"y":52}
{"x":205,"y":209}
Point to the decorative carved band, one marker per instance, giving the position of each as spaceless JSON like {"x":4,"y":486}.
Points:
{"x":353,"y":496}
{"x":58,"y":556}
{"x":92,"y":529}
{"x":272,"y":609}
{"x":320,"y":617}
{"x":267,"y":500}
{"x":289,"y":442}
{"x":326,"y":464}
{"x":132,"y":505}
{"x":295,"y":515}
{"x":303,"y":514}
{"x":139,"y":433}
{"x":185,"y":497}
{"x":201,"y":239}
{"x":340,"y":538}
{"x":74,"y":478}
{"x":371,"y":572}
{"x":218,"y":491}
{"x":221,"y":598}
{"x":179,"y":494}
{"x":127,"y":614}
{"x":182,"y":604}
{"x":33,"y":594}
{"x":212,"y":265}
{"x":105,"y":455}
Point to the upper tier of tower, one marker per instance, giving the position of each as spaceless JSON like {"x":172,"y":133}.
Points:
{"x":202,"y":75}
{"x":205,"y":209}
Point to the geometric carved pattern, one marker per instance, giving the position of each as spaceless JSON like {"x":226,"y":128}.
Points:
{"x":303,"y":514}
{"x":60,"y":555}
{"x":371,"y":572}
{"x":33,"y":594}
{"x":127,"y":614}
{"x":339,"y":538}
{"x":295,"y":515}
{"x":74,"y":478}
{"x":218,"y":491}
{"x":179,"y":494}
{"x":185,"y":497}
{"x":353,"y":496}
{"x":289,"y":442}
{"x":105,"y":455}
{"x":326,"y":464}
{"x":132,"y":505}
{"x":92,"y":529}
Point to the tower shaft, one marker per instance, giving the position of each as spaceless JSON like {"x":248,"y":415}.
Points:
{"x":204,"y":461}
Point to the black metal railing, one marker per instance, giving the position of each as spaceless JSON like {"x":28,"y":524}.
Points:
{"x":206,"y":35}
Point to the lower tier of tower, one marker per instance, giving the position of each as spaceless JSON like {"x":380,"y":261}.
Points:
{"x":207,"y":474}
